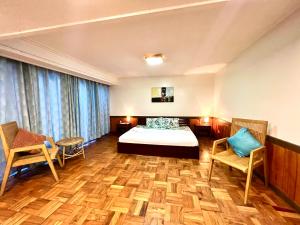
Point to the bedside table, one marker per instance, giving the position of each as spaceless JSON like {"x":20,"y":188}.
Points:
{"x":202,"y":130}
{"x":123,"y":127}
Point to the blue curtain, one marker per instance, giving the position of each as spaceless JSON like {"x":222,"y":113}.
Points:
{"x":52,"y":103}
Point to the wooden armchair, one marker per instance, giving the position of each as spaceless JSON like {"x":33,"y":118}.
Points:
{"x":257,"y":157}
{"x":13,"y":157}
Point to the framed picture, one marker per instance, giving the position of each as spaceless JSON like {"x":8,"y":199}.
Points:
{"x":162,"y":94}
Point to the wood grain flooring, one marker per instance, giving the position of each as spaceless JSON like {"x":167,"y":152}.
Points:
{"x":112,"y":188}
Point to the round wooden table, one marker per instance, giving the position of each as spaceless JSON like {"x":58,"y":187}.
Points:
{"x":78,"y":149}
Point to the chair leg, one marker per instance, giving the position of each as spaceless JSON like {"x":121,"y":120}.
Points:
{"x":59,"y":160}
{"x":6,"y":174}
{"x":50,"y":163}
{"x":63,"y":155}
{"x":248,"y":184}
{"x":83,"y":153}
{"x":210,"y":169}
{"x":266,"y":169}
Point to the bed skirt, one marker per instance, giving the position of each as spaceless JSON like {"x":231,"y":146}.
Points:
{"x":189,"y":152}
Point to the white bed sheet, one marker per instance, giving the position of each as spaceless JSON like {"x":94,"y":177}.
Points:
{"x":173,"y":137}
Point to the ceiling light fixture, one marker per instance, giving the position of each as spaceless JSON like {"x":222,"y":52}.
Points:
{"x":154,"y":59}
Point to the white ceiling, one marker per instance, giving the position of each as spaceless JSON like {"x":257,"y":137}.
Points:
{"x":113,"y":36}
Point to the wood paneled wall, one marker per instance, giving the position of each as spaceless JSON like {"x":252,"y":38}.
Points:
{"x":220,"y":128}
{"x":284,"y":168}
{"x":114,"y":120}
{"x":283,"y":161}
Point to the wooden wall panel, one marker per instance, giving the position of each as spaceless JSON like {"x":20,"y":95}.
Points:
{"x":221,"y":128}
{"x":290,"y":173}
{"x":297,"y":192}
{"x":283,"y":163}
{"x":114,"y":120}
{"x":193,"y":122}
{"x":276,"y":163}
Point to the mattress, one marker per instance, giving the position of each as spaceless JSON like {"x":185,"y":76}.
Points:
{"x":182,"y":136}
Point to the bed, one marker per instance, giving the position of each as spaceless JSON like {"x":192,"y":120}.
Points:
{"x":179,"y":143}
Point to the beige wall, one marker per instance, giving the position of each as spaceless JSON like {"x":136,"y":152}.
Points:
{"x":264,"y":82}
{"x":193,"y":96}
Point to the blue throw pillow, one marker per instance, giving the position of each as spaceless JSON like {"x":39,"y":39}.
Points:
{"x":48,"y":144}
{"x":243,"y":142}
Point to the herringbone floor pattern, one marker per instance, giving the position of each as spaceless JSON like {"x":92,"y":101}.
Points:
{"x":112,"y":188}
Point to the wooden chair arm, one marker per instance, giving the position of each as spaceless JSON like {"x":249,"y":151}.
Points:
{"x":254,"y":155}
{"x":219,"y":141}
{"x":257,"y":150}
{"x":216,"y":143}
{"x":28,"y":148}
{"x":33,"y":147}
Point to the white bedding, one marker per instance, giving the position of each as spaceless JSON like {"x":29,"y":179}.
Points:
{"x":174,"y":137}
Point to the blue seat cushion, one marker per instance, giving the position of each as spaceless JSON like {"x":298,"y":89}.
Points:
{"x":243,"y":142}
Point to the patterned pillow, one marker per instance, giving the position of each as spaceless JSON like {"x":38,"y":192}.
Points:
{"x":157,"y":123}
{"x":162,"y":123}
{"x":169,"y":123}
{"x":174,"y":122}
{"x":149,"y":122}
{"x":26,"y":138}
{"x":165,"y":123}
{"x":154,"y":123}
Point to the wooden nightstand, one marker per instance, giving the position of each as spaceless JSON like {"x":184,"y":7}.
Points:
{"x":123,"y":127}
{"x":203,"y":130}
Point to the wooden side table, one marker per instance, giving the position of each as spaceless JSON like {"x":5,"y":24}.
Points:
{"x":203,"y":130}
{"x":78,"y":149}
{"x":123,"y":127}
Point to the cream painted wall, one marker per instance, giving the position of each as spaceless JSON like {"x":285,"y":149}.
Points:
{"x":193,"y":96}
{"x":264,"y":82}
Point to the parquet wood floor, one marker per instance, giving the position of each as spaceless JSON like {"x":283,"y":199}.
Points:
{"x":112,"y":188}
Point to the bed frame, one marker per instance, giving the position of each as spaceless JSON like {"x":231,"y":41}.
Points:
{"x":160,"y":150}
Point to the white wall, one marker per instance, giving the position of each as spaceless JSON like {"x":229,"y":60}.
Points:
{"x":193,"y":96}
{"x":264,"y":82}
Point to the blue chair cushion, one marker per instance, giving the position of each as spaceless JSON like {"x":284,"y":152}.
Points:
{"x":243,"y":142}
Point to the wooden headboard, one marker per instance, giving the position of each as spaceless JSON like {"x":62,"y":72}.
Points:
{"x":141,"y":121}
{"x":182,"y":120}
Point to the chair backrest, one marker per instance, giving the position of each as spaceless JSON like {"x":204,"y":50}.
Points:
{"x":258,"y":128}
{"x":8,"y":133}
